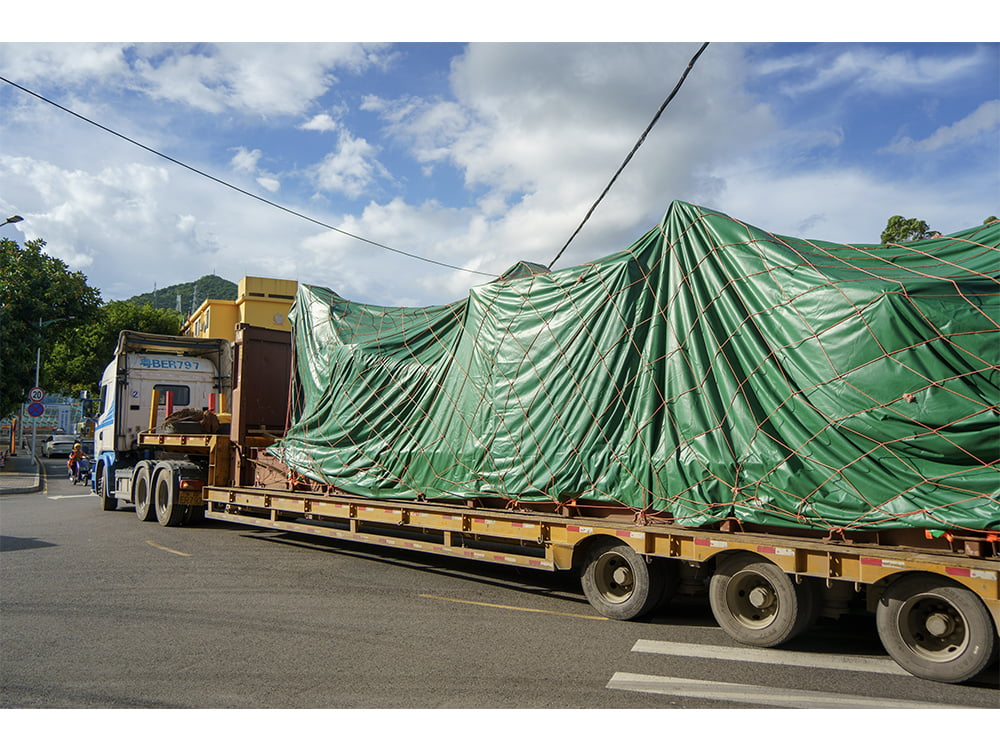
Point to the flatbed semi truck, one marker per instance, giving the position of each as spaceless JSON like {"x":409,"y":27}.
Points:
{"x":791,"y":427}
{"x":936,"y":598}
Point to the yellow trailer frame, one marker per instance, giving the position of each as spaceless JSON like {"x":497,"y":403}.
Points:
{"x":555,"y":543}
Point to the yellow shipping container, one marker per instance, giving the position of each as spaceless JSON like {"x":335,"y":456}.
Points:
{"x":260,"y":302}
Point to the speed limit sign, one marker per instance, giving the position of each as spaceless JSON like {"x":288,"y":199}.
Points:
{"x":36,"y":394}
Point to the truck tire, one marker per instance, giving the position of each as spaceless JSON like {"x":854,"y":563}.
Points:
{"x":108,"y":500}
{"x":194,"y":514}
{"x":142,"y":492}
{"x":168,"y":511}
{"x":619,"y":583}
{"x":758,"y":604}
{"x":936,"y":628}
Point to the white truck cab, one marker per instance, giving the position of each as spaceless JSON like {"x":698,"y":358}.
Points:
{"x":197,"y":372}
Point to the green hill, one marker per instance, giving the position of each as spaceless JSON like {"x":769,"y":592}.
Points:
{"x":191,"y":294}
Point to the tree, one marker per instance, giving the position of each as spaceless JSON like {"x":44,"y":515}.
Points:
{"x":77,"y":362}
{"x":899,"y":230}
{"x":40,"y":299}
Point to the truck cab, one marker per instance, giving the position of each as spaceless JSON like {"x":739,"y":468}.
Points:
{"x":190,"y":373}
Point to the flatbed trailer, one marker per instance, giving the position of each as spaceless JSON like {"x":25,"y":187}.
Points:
{"x":936,"y":600}
{"x":939,"y":612}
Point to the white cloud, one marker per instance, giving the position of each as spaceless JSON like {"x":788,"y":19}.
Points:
{"x":322,"y":123}
{"x":535,"y":132}
{"x":539,"y":130}
{"x":68,"y":63}
{"x":985,"y":119}
{"x":263,"y":79}
{"x":271,"y":184}
{"x":245,"y":160}
{"x":869,"y":69}
{"x":351,"y":169}
{"x":848,"y":204}
{"x":267,"y":79}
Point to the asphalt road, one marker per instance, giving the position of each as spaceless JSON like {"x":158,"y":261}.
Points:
{"x":98,"y":610}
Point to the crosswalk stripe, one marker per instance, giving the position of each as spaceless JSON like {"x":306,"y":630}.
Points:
{"x":754,"y":694}
{"x":770,"y":656}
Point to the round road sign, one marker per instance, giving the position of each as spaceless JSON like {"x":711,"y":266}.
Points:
{"x":36,"y":394}
{"x":35,"y":409}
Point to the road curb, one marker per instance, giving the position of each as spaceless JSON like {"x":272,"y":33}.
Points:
{"x":28,"y":489}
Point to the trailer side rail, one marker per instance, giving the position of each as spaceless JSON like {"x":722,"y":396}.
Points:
{"x":554,"y":543}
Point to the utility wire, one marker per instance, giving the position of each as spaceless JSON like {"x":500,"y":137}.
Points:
{"x":238,"y":189}
{"x":635,"y":148}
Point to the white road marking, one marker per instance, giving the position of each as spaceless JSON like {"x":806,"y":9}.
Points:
{"x":770,"y":656}
{"x":754,"y":694}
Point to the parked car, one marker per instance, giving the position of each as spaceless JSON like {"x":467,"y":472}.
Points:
{"x":62,"y":445}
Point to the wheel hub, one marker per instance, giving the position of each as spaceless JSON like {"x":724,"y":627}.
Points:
{"x":934,"y":629}
{"x":761,"y":597}
{"x":939,"y":625}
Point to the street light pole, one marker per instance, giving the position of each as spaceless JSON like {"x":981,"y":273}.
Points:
{"x":12,"y":220}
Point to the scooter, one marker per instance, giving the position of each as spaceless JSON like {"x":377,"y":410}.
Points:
{"x":82,"y":472}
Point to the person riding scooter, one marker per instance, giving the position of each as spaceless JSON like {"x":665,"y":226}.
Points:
{"x":73,"y":464}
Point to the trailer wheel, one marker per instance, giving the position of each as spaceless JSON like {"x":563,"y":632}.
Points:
{"x":758,"y":604}
{"x":935,"y":628}
{"x":108,"y":500}
{"x":619,"y":583}
{"x":168,"y":511}
{"x":142,"y":492}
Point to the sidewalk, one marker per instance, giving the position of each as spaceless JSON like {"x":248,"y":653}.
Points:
{"x":20,"y":474}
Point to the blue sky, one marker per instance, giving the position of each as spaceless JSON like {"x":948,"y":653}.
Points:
{"x":474,"y":155}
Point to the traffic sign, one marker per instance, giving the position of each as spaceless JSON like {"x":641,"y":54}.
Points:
{"x":36,"y":394}
{"x":35,"y":409}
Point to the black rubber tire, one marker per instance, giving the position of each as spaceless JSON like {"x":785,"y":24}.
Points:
{"x":936,"y":628}
{"x":670,"y":572}
{"x":168,"y":511}
{"x":108,"y":500}
{"x":142,"y":491}
{"x":758,"y":604}
{"x":194,"y":514}
{"x":619,"y":583}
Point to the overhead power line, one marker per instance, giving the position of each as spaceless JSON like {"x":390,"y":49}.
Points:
{"x":239,"y":189}
{"x":635,"y":148}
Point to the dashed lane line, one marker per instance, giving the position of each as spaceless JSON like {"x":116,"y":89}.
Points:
{"x":518,"y":609}
{"x":167,"y":549}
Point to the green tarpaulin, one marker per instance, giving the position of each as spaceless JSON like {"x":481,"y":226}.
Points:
{"x":710,"y":370}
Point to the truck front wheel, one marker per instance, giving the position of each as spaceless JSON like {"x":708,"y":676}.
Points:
{"x":758,"y":604}
{"x":168,"y":511}
{"x":108,"y":500}
{"x":935,"y":628}
{"x":619,"y":583}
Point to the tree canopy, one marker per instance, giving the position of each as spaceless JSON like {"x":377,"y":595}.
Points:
{"x":77,"y":362}
{"x":898,"y":230}
{"x":40,"y":299}
{"x":45,"y":308}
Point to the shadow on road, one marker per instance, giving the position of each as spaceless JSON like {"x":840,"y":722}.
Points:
{"x":14,"y":543}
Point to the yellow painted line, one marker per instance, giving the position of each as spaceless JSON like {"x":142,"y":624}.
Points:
{"x":519,"y":609}
{"x":167,"y":549}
